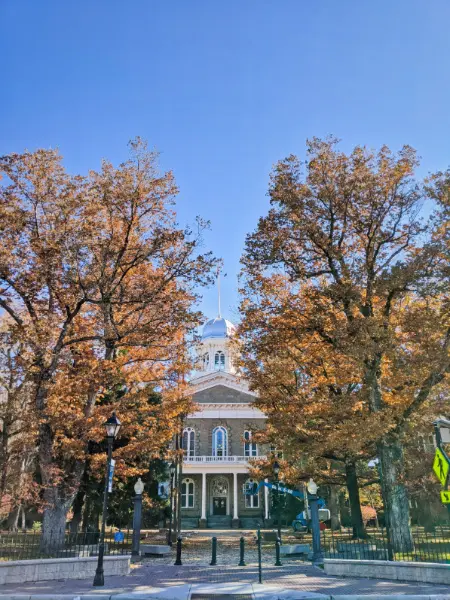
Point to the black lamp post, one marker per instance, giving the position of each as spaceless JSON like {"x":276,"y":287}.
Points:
{"x":137,"y":517}
{"x":112,"y":427}
{"x":172,"y":474}
{"x":313,"y":499}
{"x":276,"y":472}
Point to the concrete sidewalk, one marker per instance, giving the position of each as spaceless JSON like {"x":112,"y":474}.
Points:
{"x":150,"y":578}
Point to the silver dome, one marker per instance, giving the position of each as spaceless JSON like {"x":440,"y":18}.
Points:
{"x":218,"y":328}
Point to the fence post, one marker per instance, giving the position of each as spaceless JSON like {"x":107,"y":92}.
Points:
{"x":277,"y":553}
{"x":258,"y":541}
{"x":178,"y":559}
{"x":214,"y":552}
{"x":241,"y":552}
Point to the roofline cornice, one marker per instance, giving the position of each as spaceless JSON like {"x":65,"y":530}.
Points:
{"x":205,"y":382}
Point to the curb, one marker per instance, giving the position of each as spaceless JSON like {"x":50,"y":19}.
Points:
{"x":262,"y":595}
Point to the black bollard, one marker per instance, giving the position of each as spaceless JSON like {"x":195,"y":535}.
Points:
{"x":258,"y":541}
{"x":214,"y":552}
{"x":178,"y":559}
{"x":277,"y":553}
{"x":241,"y":552}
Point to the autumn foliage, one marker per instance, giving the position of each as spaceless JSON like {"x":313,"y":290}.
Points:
{"x":99,"y":285}
{"x":346,"y":324}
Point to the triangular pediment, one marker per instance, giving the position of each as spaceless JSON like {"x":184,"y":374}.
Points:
{"x":221,"y":379}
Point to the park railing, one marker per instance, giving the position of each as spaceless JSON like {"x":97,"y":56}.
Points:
{"x":29,"y":545}
{"x":420,"y":546}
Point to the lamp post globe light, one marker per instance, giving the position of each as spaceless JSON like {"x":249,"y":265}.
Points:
{"x":172,"y":469}
{"x":313,"y":500}
{"x":137,"y":517}
{"x":312,"y":487}
{"x":112,"y":427}
{"x":139,"y":487}
{"x":276,"y":472}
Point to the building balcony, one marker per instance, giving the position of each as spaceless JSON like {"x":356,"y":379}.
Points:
{"x":220,"y":459}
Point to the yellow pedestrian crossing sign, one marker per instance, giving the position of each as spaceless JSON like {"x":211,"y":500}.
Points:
{"x":441,"y":466}
{"x":445,"y":497}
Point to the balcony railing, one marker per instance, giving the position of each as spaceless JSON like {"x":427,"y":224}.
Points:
{"x":219,"y":459}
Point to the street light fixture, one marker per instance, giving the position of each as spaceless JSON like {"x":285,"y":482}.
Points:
{"x":312,"y":487}
{"x":172,"y":470}
{"x":313,"y":499}
{"x":112,"y":427}
{"x":276,"y":472}
{"x":137,"y":517}
{"x":139,"y":487}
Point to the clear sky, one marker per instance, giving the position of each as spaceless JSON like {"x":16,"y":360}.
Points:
{"x":223,"y":88}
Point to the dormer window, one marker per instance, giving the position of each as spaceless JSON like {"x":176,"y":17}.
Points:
{"x":219,"y":361}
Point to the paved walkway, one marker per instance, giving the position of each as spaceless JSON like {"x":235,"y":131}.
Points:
{"x":305,"y":578}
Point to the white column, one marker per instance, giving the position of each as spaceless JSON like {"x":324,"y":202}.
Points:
{"x":235,"y":496}
{"x":203,"y":496}
{"x":266,"y":500}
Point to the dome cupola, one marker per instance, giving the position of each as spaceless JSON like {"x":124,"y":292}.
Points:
{"x":218,"y":328}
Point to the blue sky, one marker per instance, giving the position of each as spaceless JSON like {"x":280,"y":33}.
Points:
{"x":223,"y":89}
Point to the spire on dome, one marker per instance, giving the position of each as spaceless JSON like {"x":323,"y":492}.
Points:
{"x":218,"y":293}
{"x":219,"y":270}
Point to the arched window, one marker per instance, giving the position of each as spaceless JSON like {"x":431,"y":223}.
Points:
{"x":251,"y":499}
{"x":187,"y":493}
{"x":219,"y":360}
{"x":220,"y":442}
{"x":250,"y":448}
{"x":189,"y":442}
{"x":205,"y":361}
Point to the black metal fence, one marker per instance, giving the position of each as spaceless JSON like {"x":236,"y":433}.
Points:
{"x":421,"y":546}
{"x":28,"y":545}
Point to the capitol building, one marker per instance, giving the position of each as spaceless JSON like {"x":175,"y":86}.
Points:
{"x":218,"y":441}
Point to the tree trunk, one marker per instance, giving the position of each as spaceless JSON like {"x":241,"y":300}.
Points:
{"x":351,"y":481}
{"x":54,"y":522}
{"x":86,"y":513}
{"x":77,"y":511}
{"x":395,"y":495}
{"x":5,"y":457}
{"x":333,"y":505}
{"x":79,"y":501}
{"x":13,"y":519}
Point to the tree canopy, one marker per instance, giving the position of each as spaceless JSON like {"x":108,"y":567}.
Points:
{"x":345,"y":306}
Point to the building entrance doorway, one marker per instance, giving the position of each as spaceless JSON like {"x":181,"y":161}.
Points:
{"x":219,"y":506}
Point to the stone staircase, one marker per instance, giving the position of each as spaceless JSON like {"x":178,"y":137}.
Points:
{"x":219,"y":522}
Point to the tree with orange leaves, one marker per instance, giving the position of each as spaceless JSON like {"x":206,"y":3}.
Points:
{"x":345,"y":264}
{"x":99,"y":285}
{"x":17,"y":431}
